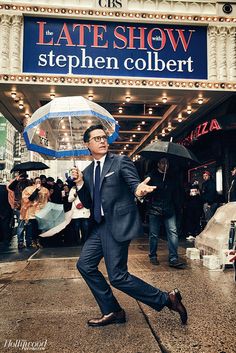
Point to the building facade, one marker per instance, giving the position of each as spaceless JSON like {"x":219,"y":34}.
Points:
{"x":7,"y":141}
{"x":175,"y":60}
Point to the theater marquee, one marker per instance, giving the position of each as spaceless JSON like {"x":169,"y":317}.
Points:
{"x":78,"y":47}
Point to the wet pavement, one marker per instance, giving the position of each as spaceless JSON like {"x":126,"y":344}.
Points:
{"x":44,"y":302}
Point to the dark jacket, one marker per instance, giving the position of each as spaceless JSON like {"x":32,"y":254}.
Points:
{"x":162,"y":200}
{"x":209,"y":194}
{"x":119,"y":180}
{"x":18,"y":186}
{"x":5,"y":208}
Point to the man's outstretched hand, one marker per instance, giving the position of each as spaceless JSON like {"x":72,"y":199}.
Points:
{"x":144,"y":189}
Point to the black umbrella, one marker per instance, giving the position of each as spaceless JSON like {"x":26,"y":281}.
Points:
{"x":173,"y":151}
{"x":27,"y":166}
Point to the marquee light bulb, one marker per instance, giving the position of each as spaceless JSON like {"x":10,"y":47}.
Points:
{"x":164,"y":99}
{"x":13,"y":94}
{"x":200,"y":100}
{"x":180,"y":118}
{"x":189,"y":110}
{"x":21,"y":104}
{"x":169,"y":126}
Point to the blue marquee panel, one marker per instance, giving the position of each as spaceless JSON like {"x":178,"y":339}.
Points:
{"x":96,"y":48}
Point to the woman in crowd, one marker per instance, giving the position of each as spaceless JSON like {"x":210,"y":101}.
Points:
{"x":34,"y":198}
{"x":80,"y":218}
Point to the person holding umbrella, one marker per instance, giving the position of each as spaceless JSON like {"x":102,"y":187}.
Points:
{"x":161,"y":209}
{"x":108,"y":187}
{"x":34,"y":198}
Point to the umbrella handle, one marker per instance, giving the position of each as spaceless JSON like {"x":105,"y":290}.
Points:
{"x":164,"y":176}
{"x":72,"y":141}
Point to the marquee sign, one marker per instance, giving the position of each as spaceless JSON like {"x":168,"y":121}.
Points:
{"x":79,"y":47}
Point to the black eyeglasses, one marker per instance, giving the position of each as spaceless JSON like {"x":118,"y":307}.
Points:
{"x":99,"y":138}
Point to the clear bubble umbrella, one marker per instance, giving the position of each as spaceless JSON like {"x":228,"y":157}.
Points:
{"x":56,"y":129}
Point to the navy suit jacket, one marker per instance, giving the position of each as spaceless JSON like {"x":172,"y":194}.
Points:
{"x":119,"y":180}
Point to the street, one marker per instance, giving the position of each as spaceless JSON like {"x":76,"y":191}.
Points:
{"x":45,"y":305}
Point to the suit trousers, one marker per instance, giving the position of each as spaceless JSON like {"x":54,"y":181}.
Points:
{"x":99,"y":244}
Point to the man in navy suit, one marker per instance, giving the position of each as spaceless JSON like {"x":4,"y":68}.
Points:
{"x":115,"y":222}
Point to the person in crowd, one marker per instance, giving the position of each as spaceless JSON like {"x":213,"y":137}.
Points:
{"x":34,"y":198}
{"x":55,"y":190}
{"x":161,"y":210}
{"x":5,"y":217}
{"x":109,"y":186}
{"x":66,"y":233}
{"x":232,"y":189}
{"x":209,"y":195}
{"x":43,"y":180}
{"x":193,"y":212}
{"x":65,"y":194}
{"x":17,"y":185}
{"x":50,"y":186}
{"x":80,"y":218}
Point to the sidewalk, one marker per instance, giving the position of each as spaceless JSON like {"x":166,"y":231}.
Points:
{"x":44,"y":300}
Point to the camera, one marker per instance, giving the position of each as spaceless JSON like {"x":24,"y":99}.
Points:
{"x":227,"y":8}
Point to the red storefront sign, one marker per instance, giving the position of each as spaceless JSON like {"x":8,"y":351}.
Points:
{"x":202,"y":129}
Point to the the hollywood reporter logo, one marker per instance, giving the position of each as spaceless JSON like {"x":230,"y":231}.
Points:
{"x":25,"y":345}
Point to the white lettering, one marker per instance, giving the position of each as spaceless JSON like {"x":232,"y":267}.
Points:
{"x":71,"y":59}
{"x":190,"y":61}
{"x":140,"y":64}
{"x":84,"y":58}
{"x":171,"y":63}
{"x":51,"y":56}
{"x":61,"y":61}
{"x":99,"y":62}
{"x":126,"y":63}
{"x":42,"y":60}
{"x":113,"y":66}
{"x":150,"y":62}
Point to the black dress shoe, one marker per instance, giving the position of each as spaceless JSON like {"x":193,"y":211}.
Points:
{"x":112,"y":318}
{"x":175,"y":303}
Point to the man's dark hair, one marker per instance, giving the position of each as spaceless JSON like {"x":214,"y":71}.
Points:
{"x":90,"y":129}
{"x":42,"y":176}
{"x":50,"y":179}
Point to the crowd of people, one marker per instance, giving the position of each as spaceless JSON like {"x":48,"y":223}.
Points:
{"x":103,"y":204}
{"x":24,"y":198}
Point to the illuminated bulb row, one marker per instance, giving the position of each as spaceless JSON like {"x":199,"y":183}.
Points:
{"x":120,"y":82}
{"x":153,"y":16}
